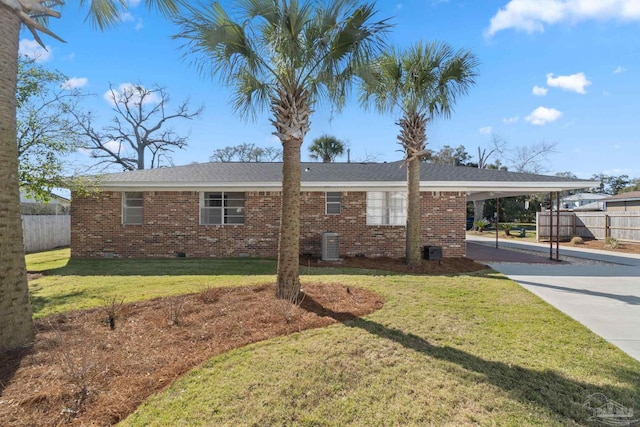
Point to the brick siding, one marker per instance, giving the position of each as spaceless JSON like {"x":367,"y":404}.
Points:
{"x":171,"y":226}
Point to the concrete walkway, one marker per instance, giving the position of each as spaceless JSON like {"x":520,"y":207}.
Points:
{"x":603,"y":297}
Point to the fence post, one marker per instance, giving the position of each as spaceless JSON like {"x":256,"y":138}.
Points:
{"x":606,"y":225}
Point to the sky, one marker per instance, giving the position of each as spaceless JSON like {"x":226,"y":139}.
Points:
{"x":560,"y":71}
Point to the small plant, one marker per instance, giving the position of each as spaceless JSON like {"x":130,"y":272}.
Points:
{"x":81,"y":371}
{"x":113,"y":308}
{"x":209,"y":294}
{"x":577,"y":240}
{"x":612,"y":242}
{"x":507,"y":228}
{"x":481,"y":224}
{"x":175,"y":310}
{"x":288,"y":306}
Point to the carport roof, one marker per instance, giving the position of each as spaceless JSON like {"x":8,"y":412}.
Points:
{"x":339,"y":177}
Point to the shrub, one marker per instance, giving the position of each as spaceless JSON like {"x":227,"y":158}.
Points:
{"x":174,"y":310}
{"x":289,"y":307}
{"x":209,"y":294}
{"x":577,"y":240}
{"x":481,"y":224}
{"x":113,"y":308}
{"x":611,"y":242}
{"x":507,"y":228}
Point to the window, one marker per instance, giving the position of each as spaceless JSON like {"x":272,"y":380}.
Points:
{"x":221,"y":208}
{"x":386,"y":208}
{"x":132,"y":203}
{"x":333,"y":203}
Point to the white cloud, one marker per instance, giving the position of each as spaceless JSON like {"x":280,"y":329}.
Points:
{"x":112,"y":146}
{"x":75,"y":82}
{"x":131,"y":91}
{"x":510,"y":120}
{"x":133,"y":3}
{"x":606,"y":93}
{"x":619,"y":70}
{"x":539,"y":91}
{"x":542,"y":115}
{"x":126,"y":17}
{"x":533,"y":15}
{"x":616,"y":146}
{"x":31,"y":49}
{"x":399,"y":6}
{"x":485,"y":130}
{"x":573,"y":83}
{"x":139,"y":25}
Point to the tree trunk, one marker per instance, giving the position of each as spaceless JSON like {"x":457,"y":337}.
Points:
{"x":478,"y":210}
{"x":413,"y":238}
{"x":141,"y":157}
{"x":16,"y":327}
{"x":289,"y":243}
{"x":413,"y":137}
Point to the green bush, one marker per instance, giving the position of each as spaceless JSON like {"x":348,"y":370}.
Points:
{"x":481,"y":224}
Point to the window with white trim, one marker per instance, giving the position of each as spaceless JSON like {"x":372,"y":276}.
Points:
{"x":386,"y":208}
{"x":132,"y":203}
{"x":333,"y":202}
{"x":220,"y":208}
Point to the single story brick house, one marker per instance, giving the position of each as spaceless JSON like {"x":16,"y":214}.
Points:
{"x":233,"y":209}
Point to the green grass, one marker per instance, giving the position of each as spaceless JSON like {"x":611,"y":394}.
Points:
{"x":73,"y":284}
{"x":469,"y":350}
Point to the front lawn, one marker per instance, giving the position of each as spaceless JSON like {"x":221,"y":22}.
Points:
{"x":473,"y":349}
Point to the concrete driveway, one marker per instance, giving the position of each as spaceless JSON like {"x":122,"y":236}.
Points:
{"x":601,"y":290}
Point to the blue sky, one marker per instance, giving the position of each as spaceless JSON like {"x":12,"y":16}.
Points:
{"x":564,"y":71}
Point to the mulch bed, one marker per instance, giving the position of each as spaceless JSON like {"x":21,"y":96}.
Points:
{"x":427,"y":267}
{"x":80,"y":372}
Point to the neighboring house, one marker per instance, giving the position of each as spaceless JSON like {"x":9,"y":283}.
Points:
{"x":579,"y":200}
{"x":57,"y":205}
{"x":591,"y":207}
{"x":622,"y":202}
{"x":233,"y":209}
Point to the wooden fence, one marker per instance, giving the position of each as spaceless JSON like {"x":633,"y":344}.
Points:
{"x":623,"y":226}
{"x":42,"y":232}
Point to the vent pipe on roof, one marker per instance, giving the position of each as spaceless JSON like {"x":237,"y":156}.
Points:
{"x":348,"y":155}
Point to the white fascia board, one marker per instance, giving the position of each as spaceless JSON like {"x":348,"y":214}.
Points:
{"x":469,"y":187}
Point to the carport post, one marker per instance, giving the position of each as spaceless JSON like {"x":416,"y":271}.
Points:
{"x":557,"y":226}
{"x":551,"y":225}
{"x":497,"y":218}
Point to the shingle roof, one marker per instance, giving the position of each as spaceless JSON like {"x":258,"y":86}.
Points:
{"x":629,"y":195}
{"x":248,"y":173}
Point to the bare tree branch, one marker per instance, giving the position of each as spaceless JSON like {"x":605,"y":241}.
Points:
{"x":138,"y":127}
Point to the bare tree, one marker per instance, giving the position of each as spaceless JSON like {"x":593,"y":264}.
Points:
{"x":141,"y":125}
{"x":532,"y":158}
{"x":496,"y":147}
{"x":246,"y":153}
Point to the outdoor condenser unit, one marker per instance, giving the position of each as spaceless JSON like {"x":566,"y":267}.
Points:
{"x":330,"y":246}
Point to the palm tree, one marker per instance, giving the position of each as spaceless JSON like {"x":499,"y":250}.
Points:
{"x":423,"y":82}
{"x":326,"y":148}
{"x":16,"y":327}
{"x":285,"y":55}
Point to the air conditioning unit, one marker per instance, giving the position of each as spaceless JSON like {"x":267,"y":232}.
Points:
{"x":330,"y":246}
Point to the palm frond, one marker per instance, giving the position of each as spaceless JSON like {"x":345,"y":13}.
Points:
{"x":285,"y":44}
{"x":103,"y":13}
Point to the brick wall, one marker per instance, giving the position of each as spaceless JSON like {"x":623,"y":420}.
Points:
{"x":171,"y":226}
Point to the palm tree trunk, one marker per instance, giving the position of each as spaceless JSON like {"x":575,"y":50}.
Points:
{"x":16,"y":327}
{"x":413,"y":136}
{"x":288,"y":285}
{"x":413,"y":239}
